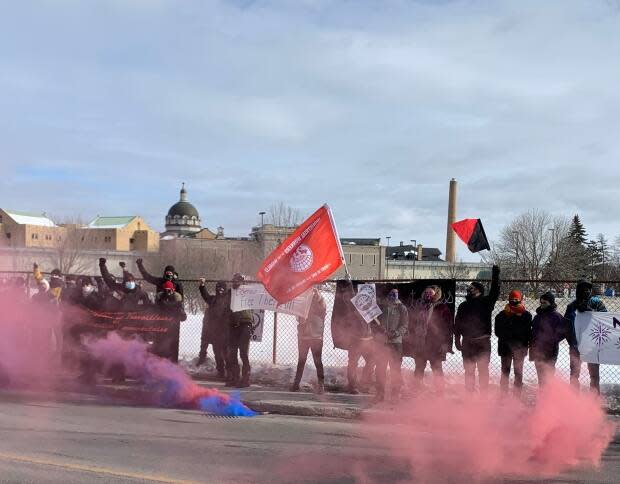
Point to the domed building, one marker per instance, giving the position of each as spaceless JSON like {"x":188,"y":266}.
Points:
{"x":183,"y":220}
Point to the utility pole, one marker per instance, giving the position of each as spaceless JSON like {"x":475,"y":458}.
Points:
{"x":415,"y":246}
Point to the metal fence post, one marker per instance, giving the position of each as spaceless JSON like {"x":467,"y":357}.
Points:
{"x":275,"y":336}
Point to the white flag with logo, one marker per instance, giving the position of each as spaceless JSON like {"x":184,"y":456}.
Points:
{"x":365,"y":301}
{"x":598,"y":337}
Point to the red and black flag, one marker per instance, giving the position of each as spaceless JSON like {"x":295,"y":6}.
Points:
{"x":472,"y":233}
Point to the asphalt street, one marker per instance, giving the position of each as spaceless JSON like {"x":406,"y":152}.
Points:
{"x":50,"y":441}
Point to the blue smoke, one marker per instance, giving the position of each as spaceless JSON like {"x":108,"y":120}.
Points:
{"x":233,"y":408}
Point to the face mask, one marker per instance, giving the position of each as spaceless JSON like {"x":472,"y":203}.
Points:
{"x":544,"y":304}
{"x":168,"y":276}
{"x":131,"y":285}
{"x":87,"y":290}
{"x":393,"y":296}
{"x":514,"y":303}
{"x":428,"y":296}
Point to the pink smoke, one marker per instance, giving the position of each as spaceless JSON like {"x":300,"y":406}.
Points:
{"x":30,"y":341}
{"x":480,"y":437}
{"x":169,"y":382}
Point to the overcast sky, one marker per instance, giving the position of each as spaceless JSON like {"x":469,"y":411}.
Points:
{"x":370,"y":106}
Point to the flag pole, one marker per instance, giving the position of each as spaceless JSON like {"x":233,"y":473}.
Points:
{"x":333,"y":223}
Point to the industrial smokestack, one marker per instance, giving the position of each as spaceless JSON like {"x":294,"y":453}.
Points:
{"x":451,"y":236}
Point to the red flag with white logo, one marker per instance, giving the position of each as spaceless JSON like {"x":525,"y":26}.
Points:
{"x":308,"y":256}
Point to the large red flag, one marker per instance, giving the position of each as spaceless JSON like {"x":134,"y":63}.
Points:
{"x":308,"y":256}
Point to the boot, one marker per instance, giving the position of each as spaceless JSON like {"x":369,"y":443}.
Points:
{"x":245,"y":382}
{"x":379,"y":397}
{"x":294,"y":387}
{"x":201,"y":360}
{"x":320,"y":388}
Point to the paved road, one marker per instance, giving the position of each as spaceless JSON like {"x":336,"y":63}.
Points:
{"x":83,"y":442}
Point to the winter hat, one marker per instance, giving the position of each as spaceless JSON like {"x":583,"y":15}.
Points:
{"x":169,"y":269}
{"x":549,"y":297}
{"x":168,"y":285}
{"x":479,"y":286}
{"x":515,"y":295}
{"x":128,"y":276}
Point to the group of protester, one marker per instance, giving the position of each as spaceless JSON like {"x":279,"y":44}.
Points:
{"x":427,"y":330}
{"x":57,"y":296}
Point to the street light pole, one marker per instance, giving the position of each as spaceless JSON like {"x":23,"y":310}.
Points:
{"x":387,"y":258}
{"x":262,"y":218}
{"x":415,"y":245}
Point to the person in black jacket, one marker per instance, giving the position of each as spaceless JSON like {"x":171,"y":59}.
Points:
{"x":239,"y":337}
{"x":215,"y":326}
{"x":549,"y":328}
{"x":513,"y":328}
{"x":584,"y":302}
{"x":472,"y":331}
{"x":169,"y":275}
{"x":170,"y":303}
{"x":130,"y":296}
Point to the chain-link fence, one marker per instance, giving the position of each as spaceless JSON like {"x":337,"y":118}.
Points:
{"x":279,"y":336}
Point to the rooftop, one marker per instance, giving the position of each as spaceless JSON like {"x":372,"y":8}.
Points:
{"x":26,"y":218}
{"x":111,"y":222}
{"x":358,"y":241}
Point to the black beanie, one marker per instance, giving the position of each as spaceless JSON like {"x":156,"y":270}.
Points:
{"x":479,"y":286}
{"x":169,"y":269}
{"x":549,"y":297}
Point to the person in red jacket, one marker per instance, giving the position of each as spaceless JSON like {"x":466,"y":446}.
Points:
{"x":431,"y":330}
{"x":513,"y":328}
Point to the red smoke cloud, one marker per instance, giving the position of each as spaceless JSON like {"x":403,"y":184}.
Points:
{"x":473,"y":436}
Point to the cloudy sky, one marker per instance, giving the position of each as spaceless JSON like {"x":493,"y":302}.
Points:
{"x":371,"y":106}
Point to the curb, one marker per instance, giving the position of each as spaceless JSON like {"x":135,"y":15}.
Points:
{"x":304,"y":410}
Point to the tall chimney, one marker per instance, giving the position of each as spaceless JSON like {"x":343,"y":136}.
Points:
{"x":450,"y":237}
{"x":419,"y":252}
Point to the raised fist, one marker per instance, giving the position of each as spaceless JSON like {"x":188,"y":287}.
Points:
{"x":102,"y":260}
{"x":139,"y":261}
{"x":122,"y":264}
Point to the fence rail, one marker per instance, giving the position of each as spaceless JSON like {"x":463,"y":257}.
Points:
{"x":279,"y":339}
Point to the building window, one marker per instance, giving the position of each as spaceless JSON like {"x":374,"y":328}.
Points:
{"x":131,"y":241}
{"x":8,"y":235}
{"x":362,"y":260}
{"x":374,"y":260}
{"x":350,"y":258}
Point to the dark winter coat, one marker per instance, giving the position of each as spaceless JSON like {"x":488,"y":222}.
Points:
{"x":128,"y":299}
{"x":431,"y":331}
{"x":513,"y":331}
{"x":218,"y":314}
{"x":348,"y":327}
{"x":549,"y":328}
{"x":158,"y":282}
{"x":474,"y":315}
{"x":594,"y":303}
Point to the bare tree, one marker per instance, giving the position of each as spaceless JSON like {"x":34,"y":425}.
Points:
{"x":68,"y":253}
{"x":529,"y":245}
{"x":282,"y":215}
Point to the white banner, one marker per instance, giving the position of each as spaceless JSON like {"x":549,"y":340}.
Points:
{"x":365,"y":301}
{"x":255,"y":296}
{"x":598,"y":336}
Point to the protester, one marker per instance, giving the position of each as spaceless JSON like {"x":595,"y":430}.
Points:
{"x":548,"y":330}
{"x":513,"y":328}
{"x":215,"y":326}
{"x":473,"y":329}
{"x":239,"y":336}
{"x":352,"y":333}
{"x":388,"y":337}
{"x":170,"y":303}
{"x":169,"y":275}
{"x":430,"y":332}
{"x":584,"y":301}
{"x":55,"y":282}
{"x":130,"y":297}
{"x":310,"y":337}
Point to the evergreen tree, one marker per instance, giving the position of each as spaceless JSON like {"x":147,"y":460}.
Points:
{"x":577,"y":231}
